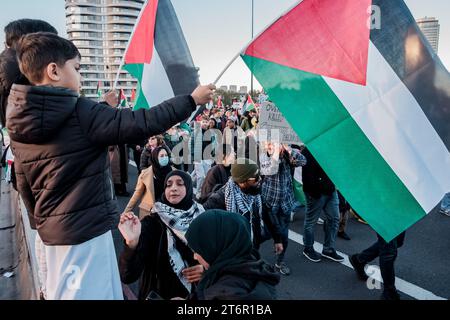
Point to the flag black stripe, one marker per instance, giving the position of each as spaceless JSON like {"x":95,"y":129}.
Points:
{"x":173,"y":50}
{"x":410,"y":55}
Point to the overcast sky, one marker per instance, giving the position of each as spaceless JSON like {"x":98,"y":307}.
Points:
{"x":216,"y":30}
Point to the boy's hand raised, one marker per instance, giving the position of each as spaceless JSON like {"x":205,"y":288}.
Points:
{"x":112,"y":98}
{"x":203,"y":94}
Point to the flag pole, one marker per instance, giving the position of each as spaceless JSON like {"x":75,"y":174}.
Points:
{"x":251,"y":73}
{"x":240,"y":51}
{"x":122,"y":62}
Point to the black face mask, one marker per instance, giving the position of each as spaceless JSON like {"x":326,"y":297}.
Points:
{"x":253,"y":190}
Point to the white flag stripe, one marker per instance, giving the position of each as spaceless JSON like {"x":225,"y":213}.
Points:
{"x":155,"y":84}
{"x":393,"y":121}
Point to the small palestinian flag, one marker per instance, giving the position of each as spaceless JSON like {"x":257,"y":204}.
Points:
{"x":249,"y":105}
{"x":133,"y":95}
{"x":372,"y":105}
{"x":98,"y":90}
{"x":123,"y":99}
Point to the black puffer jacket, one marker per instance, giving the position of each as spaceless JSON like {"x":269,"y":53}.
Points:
{"x":60,"y":146}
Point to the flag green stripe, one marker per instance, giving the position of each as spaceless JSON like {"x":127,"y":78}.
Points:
{"x":346,"y":154}
{"x":136,"y":70}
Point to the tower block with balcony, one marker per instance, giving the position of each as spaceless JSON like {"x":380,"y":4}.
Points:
{"x":101,"y":29}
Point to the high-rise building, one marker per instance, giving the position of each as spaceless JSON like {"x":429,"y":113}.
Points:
{"x":101,"y":30}
{"x":430,"y":28}
{"x":243,"y":89}
{"x":233,"y":88}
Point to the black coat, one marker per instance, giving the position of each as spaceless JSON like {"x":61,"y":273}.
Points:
{"x":315,"y":181}
{"x":60,"y":145}
{"x":217,"y":201}
{"x":215,"y":179}
{"x":9,"y":74}
{"x":253,"y":280}
{"x":150,"y":262}
{"x":146,"y":158}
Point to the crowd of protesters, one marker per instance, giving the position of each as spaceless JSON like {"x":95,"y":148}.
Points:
{"x":209,"y":191}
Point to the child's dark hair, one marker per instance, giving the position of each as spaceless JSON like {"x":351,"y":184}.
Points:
{"x":36,"y":51}
{"x":16,"y":29}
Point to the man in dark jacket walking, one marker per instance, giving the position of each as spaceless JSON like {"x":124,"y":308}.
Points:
{"x":320,"y":195}
{"x":60,"y":142}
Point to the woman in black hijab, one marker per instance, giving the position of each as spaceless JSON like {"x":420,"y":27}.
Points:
{"x":150,"y":183}
{"x":156,"y":247}
{"x":160,"y":158}
{"x":233,"y":270}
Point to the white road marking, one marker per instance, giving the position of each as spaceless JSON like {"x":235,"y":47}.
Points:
{"x":404,"y":286}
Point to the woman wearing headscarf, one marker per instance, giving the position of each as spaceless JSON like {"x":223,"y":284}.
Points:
{"x":233,"y":269}
{"x":156,"y":247}
{"x":150,"y":184}
{"x":152,"y":144}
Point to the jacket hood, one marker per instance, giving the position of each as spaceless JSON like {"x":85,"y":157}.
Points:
{"x":253,"y":280}
{"x":255,"y":270}
{"x":36,"y":113}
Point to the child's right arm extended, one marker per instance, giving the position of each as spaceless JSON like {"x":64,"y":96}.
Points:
{"x":107,"y":126}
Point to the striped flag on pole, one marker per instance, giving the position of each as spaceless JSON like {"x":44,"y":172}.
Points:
{"x":372,"y":105}
{"x":158,"y":56}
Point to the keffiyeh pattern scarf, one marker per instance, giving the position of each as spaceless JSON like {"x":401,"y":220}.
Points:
{"x":239,"y":202}
{"x":177,"y":222}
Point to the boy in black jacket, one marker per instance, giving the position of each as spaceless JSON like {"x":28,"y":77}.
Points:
{"x":60,"y":143}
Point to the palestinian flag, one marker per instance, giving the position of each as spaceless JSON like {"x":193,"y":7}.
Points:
{"x":372,"y":105}
{"x":123,"y":99}
{"x":158,"y":56}
{"x":249,"y":105}
{"x":99,"y":91}
{"x":133,"y":95}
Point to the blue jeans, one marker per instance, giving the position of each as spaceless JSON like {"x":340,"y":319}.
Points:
{"x":445,"y":204}
{"x":314,"y":206}
{"x":282,"y":219}
{"x":387,"y":251}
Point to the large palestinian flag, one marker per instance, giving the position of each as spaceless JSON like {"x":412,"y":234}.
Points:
{"x":373,"y":106}
{"x":158,"y":56}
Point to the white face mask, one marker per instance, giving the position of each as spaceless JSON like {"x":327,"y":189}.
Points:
{"x":163,"y":161}
{"x":175,"y":136}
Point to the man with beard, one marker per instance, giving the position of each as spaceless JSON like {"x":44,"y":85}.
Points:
{"x":242,"y":195}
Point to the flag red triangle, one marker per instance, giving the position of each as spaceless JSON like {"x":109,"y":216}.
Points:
{"x":325,"y":37}
{"x":140,"y":48}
